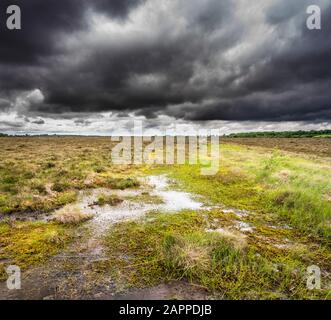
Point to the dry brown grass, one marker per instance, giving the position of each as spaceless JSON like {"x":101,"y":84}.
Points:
{"x":189,"y":256}
{"x":328,"y":196}
{"x":71,"y":214}
{"x":283,"y":175}
{"x":236,"y":238}
{"x":313,"y":146}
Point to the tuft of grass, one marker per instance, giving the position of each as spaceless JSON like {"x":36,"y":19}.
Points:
{"x":112,"y":200}
{"x":71,"y":214}
{"x":146,"y":197}
{"x":123,"y":184}
{"x":183,"y":253}
{"x":61,"y":186}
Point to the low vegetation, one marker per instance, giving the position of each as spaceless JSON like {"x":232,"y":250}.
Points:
{"x":111,"y":199}
{"x":71,"y":214}
{"x":27,"y":244}
{"x":318,"y":147}
{"x":284,"y":187}
{"x":179,"y":246}
{"x":40,"y":174}
{"x":294,"y":189}
{"x":146,"y":197}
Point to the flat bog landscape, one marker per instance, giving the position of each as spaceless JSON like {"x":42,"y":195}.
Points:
{"x":168,"y":156}
{"x":80,"y":226}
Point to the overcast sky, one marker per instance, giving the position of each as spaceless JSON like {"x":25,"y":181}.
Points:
{"x":91,"y":67}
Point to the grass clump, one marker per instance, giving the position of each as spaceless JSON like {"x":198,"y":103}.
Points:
{"x":71,"y":214}
{"x":111,"y":199}
{"x":122,"y":183}
{"x":61,"y":186}
{"x":146,"y":197}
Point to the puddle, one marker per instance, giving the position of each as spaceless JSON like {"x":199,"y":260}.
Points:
{"x":156,"y":186}
{"x":26,"y":217}
{"x":173,"y":200}
{"x":129,"y":209}
{"x":105,"y":215}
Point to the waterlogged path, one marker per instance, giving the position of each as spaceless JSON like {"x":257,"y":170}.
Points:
{"x":69,"y":275}
{"x":153,"y":186}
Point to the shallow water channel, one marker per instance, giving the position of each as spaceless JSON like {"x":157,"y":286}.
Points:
{"x":154,"y":186}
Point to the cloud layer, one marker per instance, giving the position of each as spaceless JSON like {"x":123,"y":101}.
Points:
{"x":194,"y":61}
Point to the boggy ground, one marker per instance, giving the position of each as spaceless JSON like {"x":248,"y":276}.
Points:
{"x":80,"y":228}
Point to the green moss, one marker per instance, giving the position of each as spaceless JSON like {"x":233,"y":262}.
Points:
{"x":26,"y":244}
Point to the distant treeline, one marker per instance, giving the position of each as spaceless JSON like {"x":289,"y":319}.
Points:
{"x":283,"y":134}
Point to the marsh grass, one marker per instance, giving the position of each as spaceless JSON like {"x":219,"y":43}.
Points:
{"x":112,"y":200}
{"x":291,"y":187}
{"x":177,"y":247}
{"x":43,"y":174}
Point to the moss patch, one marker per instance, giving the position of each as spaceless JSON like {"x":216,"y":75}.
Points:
{"x":29,"y":243}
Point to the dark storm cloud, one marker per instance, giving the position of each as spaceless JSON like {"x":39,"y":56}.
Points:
{"x":4,"y":104}
{"x":39,"y":121}
{"x":194,"y":60}
{"x":117,"y":8}
{"x":82,"y":122}
{"x":11,"y":124}
{"x":43,"y":20}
